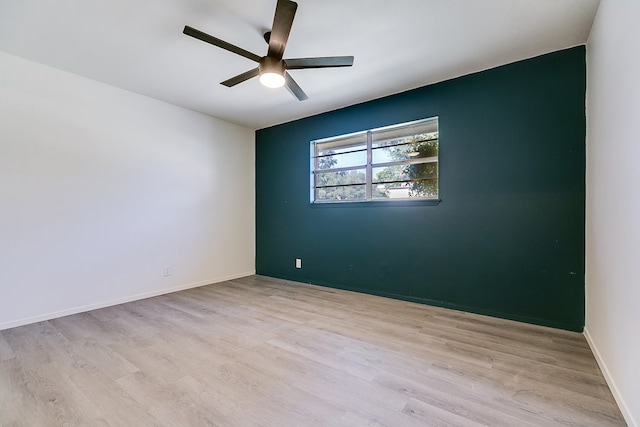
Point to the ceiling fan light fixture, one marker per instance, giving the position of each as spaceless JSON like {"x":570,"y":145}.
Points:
{"x":271,"y":79}
{"x":271,"y":72}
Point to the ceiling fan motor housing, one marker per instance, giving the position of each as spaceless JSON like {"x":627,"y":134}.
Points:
{"x":269,"y":64}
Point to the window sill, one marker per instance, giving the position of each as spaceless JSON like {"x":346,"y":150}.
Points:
{"x":376,"y":203}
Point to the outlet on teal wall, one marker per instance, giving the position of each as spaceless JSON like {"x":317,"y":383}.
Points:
{"x":507,"y":238}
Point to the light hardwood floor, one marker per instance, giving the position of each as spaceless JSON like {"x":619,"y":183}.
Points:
{"x":260,"y":351}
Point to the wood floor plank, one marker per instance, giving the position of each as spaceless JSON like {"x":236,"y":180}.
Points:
{"x":167,"y":402}
{"x":479,"y":407}
{"x":259,"y":351}
{"x":434,"y":416}
{"x":334,"y":385}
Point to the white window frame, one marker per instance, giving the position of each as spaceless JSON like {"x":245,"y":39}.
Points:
{"x":369,"y":166}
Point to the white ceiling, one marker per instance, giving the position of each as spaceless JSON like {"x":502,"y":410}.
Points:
{"x":398,"y":45}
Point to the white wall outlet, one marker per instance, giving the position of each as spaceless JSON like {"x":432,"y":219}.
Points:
{"x":298,"y":263}
{"x":166,"y":270}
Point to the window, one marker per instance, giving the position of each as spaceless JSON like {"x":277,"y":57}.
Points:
{"x":390,"y":163}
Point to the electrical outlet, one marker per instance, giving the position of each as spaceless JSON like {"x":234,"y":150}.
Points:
{"x":298,"y":263}
{"x":166,"y":271}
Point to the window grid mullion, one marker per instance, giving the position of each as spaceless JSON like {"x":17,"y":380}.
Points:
{"x":320,"y":156}
{"x":417,"y":161}
{"x":346,"y":168}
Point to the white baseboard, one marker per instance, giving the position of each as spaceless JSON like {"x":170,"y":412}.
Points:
{"x":628,"y":417}
{"x":103,"y":304}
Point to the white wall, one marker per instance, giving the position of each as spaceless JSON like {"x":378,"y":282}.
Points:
{"x":100,"y":188}
{"x":613,"y":199}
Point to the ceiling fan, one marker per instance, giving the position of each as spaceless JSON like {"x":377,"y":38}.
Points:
{"x":272,"y":68}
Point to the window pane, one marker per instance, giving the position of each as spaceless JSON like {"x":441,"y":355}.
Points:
{"x":341,"y":144}
{"x":422,"y":130}
{"x":408,"y":151}
{"x":358,"y":158}
{"x":406,"y":172}
{"x":405,"y":190}
{"x":356,"y":176}
{"x":352,"y":192}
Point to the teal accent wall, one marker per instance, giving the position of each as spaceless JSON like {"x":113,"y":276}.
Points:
{"x":507,"y":238}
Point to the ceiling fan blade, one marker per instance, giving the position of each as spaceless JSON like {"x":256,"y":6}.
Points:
{"x":220,"y":43}
{"x":321,"y":62}
{"x":241,"y":77}
{"x":294,"y":88}
{"x":282,"y":22}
